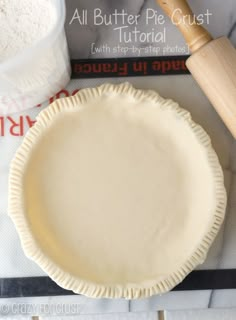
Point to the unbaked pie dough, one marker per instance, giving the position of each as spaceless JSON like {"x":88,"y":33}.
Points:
{"x":116,"y":192}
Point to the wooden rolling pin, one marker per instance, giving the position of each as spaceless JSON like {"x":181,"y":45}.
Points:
{"x":213,"y":62}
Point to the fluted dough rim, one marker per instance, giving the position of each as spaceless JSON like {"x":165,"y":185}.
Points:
{"x":34,"y":252}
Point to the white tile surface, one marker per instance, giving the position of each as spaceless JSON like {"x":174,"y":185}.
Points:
{"x":223,"y":299}
{"x":115,"y":316}
{"x":172,"y":301}
{"x":216,"y":314}
{"x":229,"y":250}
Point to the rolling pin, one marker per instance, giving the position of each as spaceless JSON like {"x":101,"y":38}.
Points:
{"x":212,"y":63}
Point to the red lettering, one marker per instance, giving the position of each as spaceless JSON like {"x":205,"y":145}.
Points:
{"x":156,"y":65}
{"x":184,"y":67}
{"x":87,"y":68}
{"x":51,"y":100}
{"x":115,"y":67}
{"x":78,"y":68}
{"x":176,"y":65}
{"x":30,"y":121}
{"x":16,"y":126}
{"x":123,"y":69}
{"x":2,"y":126}
{"x":107,"y":67}
{"x":97,"y":68}
{"x":140,"y":67}
{"x":75,"y":91}
{"x":61,"y":94}
{"x":165,"y":66}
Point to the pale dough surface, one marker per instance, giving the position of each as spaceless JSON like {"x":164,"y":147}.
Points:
{"x":120,"y":191}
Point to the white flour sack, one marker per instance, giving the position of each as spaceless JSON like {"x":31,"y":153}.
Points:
{"x":34,"y":62}
{"x":23,"y":23}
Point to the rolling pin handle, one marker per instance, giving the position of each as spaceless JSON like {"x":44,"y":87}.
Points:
{"x":182,"y":16}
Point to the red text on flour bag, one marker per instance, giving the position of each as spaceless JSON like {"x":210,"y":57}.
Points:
{"x":18,"y":125}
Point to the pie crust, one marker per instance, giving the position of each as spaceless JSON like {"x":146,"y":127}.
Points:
{"x":116,"y":192}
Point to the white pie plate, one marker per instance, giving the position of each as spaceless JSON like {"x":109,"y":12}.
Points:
{"x":116,"y":192}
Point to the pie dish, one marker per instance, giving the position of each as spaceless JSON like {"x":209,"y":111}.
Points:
{"x":116,"y":192}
